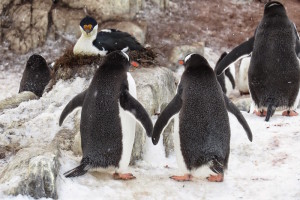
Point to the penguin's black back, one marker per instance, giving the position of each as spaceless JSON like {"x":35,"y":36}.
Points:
{"x":274,"y":74}
{"x":100,"y":126}
{"x":203,"y":119}
{"x":36,"y":75}
{"x":116,"y":40}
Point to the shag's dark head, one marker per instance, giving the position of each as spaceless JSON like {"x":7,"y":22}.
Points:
{"x":36,"y":62}
{"x":88,"y":24}
{"x":274,"y":7}
{"x":194,"y":60}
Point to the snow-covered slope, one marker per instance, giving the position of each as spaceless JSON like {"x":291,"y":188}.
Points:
{"x":267,"y":168}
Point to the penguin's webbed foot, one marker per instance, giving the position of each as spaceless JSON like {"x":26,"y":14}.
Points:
{"x":290,"y":113}
{"x":261,"y":113}
{"x":128,"y":176}
{"x":186,"y":177}
{"x":216,"y":178}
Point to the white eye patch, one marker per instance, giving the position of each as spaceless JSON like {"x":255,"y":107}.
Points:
{"x":188,"y":57}
{"x":274,"y":4}
{"x":126,"y":56}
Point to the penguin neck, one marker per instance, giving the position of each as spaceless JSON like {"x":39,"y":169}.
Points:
{"x":84,"y":45}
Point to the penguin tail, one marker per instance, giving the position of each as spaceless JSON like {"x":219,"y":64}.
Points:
{"x":270,"y":110}
{"x":77,"y":171}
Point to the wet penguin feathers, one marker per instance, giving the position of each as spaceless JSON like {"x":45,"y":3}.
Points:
{"x":274,"y":71}
{"x":36,"y":75}
{"x":197,"y":70}
{"x":106,"y":127}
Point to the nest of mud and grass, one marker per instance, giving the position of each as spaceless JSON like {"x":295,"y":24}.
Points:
{"x":85,"y":66}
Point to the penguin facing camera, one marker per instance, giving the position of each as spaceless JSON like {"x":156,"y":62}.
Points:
{"x":107,"y":40}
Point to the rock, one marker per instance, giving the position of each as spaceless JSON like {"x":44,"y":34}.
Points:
{"x":32,"y":172}
{"x":243,"y":103}
{"x":180,"y":52}
{"x":163,"y":4}
{"x":107,"y":10}
{"x":30,"y":25}
{"x":154,"y":92}
{"x":66,"y":21}
{"x":15,"y":100}
{"x":139,"y":32}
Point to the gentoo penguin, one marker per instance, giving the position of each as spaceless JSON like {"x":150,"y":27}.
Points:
{"x":201,"y":126}
{"x":108,"y":115}
{"x":243,"y":75}
{"x":36,"y":75}
{"x":107,"y":40}
{"x":221,"y":78}
{"x":274,"y":72}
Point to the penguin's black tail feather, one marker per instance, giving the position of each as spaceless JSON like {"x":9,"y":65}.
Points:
{"x":270,"y":110}
{"x":77,"y":171}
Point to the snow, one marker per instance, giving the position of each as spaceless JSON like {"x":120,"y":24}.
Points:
{"x":267,"y":168}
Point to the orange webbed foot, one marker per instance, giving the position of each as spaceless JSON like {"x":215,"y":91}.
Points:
{"x":290,"y":113}
{"x":216,"y":178}
{"x":186,"y":177}
{"x":262,"y":113}
{"x":128,"y":176}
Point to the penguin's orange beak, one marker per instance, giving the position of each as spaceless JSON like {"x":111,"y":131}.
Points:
{"x":87,"y":28}
{"x":134,"y":64}
{"x":181,"y":62}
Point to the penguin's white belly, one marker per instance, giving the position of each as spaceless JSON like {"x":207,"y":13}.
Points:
{"x":243,"y":75}
{"x":84,"y":46}
{"x":177,"y":147}
{"x":228,"y":84}
{"x":128,"y":124}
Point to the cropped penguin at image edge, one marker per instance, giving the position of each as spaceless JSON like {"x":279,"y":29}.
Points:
{"x":109,"y":111}
{"x":201,"y":123}
{"x":274,"y":72}
{"x":107,"y":40}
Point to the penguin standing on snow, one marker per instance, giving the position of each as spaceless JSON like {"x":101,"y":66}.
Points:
{"x":36,"y":75}
{"x":107,"y":40}
{"x":201,"y":126}
{"x":274,"y":72}
{"x":221,"y":78}
{"x":107,"y":124}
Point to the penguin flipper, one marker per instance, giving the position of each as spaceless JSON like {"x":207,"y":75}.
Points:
{"x":236,"y":112}
{"x":74,"y":103}
{"x":298,"y":48}
{"x":77,"y":171}
{"x":165,"y":117}
{"x":129,"y":103}
{"x":230,"y":76}
{"x":243,"y":50}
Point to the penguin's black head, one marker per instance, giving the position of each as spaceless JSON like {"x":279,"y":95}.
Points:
{"x":88,"y":24}
{"x":120,"y":59}
{"x":36,"y":62}
{"x":194,"y":60}
{"x":274,"y":6}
